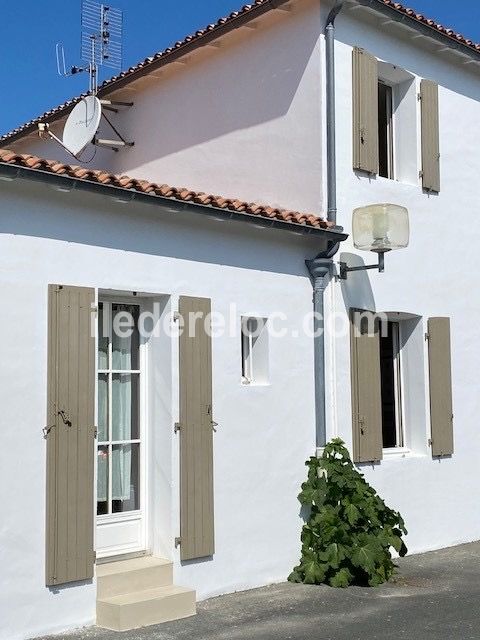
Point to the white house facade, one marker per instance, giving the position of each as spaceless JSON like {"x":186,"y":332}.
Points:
{"x":164,"y":459}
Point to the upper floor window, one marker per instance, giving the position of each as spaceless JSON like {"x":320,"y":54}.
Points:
{"x":385,"y":131}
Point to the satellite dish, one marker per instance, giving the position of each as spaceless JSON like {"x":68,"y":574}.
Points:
{"x":82,"y":125}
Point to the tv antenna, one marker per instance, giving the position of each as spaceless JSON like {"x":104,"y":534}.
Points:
{"x":101,"y":42}
{"x":101,"y":45}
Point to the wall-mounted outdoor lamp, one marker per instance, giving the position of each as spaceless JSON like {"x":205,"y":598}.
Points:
{"x":378,"y":228}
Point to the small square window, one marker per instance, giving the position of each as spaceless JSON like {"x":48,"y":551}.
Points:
{"x":254,"y":350}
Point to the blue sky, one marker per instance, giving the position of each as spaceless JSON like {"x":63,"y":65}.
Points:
{"x":29,"y":30}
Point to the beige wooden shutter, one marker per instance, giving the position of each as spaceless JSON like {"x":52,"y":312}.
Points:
{"x":70,"y":435}
{"x":441,"y":413}
{"x":196,"y":433}
{"x":430,"y":136}
{"x":366,"y":389}
{"x":365,"y":111}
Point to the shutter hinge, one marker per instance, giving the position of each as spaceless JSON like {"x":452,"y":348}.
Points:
{"x":419,"y":97}
{"x":427,"y":337}
{"x":178,"y":542}
{"x":420,"y":173}
{"x":176,"y":316}
{"x":46,"y":431}
{"x":95,"y":432}
{"x":430,"y":442}
{"x":177,"y":427}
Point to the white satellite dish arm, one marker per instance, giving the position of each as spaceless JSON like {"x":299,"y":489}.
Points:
{"x":75,"y":145}
{"x":45,"y":133}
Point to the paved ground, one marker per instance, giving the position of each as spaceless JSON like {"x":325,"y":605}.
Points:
{"x":436,"y":596}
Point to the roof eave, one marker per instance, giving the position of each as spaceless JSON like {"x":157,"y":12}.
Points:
{"x":171,"y":205}
{"x":428,"y":31}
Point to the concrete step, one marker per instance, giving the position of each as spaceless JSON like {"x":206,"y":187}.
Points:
{"x":144,"y":608}
{"x":129,"y":576}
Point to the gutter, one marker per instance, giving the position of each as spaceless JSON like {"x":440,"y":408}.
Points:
{"x":11,"y":172}
{"x":428,"y":31}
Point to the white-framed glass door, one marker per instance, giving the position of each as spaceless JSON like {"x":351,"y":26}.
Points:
{"x":121,"y":441}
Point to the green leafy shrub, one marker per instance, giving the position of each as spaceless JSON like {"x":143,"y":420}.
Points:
{"x":350,"y":531}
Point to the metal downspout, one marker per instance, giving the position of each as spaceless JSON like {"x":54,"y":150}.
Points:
{"x":330,"y":100}
{"x":321,"y":267}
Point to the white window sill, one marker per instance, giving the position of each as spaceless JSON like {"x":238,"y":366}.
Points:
{"x":388,"y":454}
{"x":401,"y":452}
{"x":255,"y":384}
{"x":397,"y":452}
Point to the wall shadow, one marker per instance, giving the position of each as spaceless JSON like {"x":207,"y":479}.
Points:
{"x":91,"y":219}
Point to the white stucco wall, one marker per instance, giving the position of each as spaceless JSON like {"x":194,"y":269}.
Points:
{"x":240,"y":120}
{"x":436,"y":276}
{"x":264,"y":434}
{"x":245,"y":121}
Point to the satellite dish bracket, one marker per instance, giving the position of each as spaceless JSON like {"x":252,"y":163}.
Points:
{"x":113,"y":145}
{"x":44,"y":130}
{"x":120,"y":142}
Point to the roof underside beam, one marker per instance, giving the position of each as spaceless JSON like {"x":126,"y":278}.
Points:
{"x":64,"y":183}
{"x":423,"y":30}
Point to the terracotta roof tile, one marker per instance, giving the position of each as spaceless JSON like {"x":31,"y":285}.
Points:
{"x":127,"y":183}
{"x":202,"y":36}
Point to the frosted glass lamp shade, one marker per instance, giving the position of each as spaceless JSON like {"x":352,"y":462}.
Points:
{"x":380,"y":228}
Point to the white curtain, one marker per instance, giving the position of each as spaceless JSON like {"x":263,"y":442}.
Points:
{"x":121,"y":473}
{"x":102,"y":474}
{"x":122,"y":430}
{"x":102,"y":408}
{"x":123,"y":347}
{"x":124,"y":386}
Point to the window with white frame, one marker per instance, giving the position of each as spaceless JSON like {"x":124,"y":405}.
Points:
{"x":119,"y":428}
{"x":254,"y":350}
{"x":397,"y":124}
{"x":385,"y":131}
{"x":391,"y":386}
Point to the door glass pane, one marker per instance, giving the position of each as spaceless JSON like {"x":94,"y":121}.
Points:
{"x":125,"y":337}
{"x":102,"y":407}
{"x":125,"y":478}
{"x":102,"y":339}
{"x":125,"y":407}
{"x":102,"y":481}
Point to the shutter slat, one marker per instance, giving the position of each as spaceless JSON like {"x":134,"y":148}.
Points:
{"x":430,"y":136}
{"x":196,"y":434}
{"x":70,"y":449}
{"x":366,"y":389}
{"x":441,"y":403}
{"x":365,"y":111}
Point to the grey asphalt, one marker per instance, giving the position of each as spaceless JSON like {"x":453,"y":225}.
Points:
{"x":434,"y":596}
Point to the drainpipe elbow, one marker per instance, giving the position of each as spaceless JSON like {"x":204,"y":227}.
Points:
{"x":337,"y":7}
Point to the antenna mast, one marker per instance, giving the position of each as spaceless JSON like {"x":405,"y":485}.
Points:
{"x":101,"y":45}
{"x":101,"y":42}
